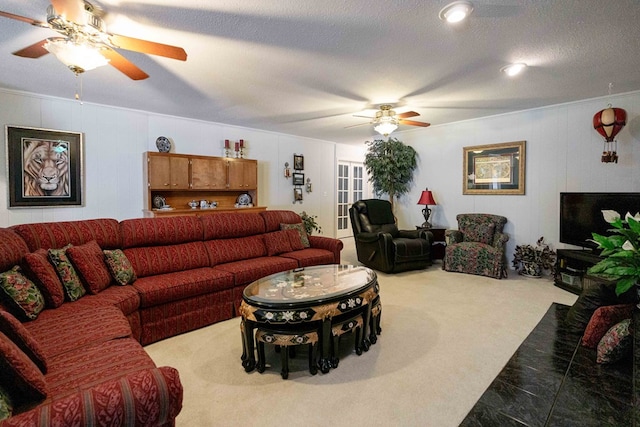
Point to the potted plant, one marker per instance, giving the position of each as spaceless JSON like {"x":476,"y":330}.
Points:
{"x":309,"y":222}
{"x":532,"y":260}
{"x":390,"y":165}
{"x":620,"y":251}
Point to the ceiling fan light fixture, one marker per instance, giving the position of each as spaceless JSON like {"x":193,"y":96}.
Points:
{"x":78,"y":56}
{"x":456,"y":11}
{"x":386,"y":126}
{"x":514,"y":69}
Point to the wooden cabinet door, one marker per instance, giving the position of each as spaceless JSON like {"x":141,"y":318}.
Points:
{"x":159,"y":172}
{"x":208,"y":174}
{"x":236,"y":175}
{"x":179,"y":173}
{"x":250,"y":175}
{"x":243,"y":175}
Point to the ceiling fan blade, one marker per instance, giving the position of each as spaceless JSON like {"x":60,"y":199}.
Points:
{"x":36,"y":50}
{"x":123,"y":64}
{"x":353,"y":126}
{"x":407,"y":114}
{"x":72,"y":10}
{"x":24,"y":19}
{"x":414,"y":123}
{"x":145,"y":46}
{"x":366,"y":117}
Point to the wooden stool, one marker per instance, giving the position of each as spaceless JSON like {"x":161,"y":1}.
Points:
{"x":353,"y":324}
{"x":287,"y":340}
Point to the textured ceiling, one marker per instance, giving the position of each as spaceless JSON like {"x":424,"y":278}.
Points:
{"x":305,"y":67}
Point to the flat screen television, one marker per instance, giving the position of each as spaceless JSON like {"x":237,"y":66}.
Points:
{"x":581,"y":214}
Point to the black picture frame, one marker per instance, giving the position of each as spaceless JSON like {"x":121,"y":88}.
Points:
{"x":297,"y":194}
{"x":298,"y":178}
{"x":494,"y":169}
{"x":44,"y":167}
{"x":298,"y":162}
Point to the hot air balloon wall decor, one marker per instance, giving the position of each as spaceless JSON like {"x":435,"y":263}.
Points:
{"x":608,"y":123}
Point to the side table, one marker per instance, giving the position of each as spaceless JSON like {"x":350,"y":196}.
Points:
{"x":438,"y":245}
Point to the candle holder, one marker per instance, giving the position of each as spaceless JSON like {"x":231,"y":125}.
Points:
{"x":227,"y":149}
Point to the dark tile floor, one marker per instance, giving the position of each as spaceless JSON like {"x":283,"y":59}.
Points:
{"x":551,"y":380}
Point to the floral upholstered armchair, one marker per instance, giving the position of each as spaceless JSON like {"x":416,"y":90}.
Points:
{"x":477,"y":246}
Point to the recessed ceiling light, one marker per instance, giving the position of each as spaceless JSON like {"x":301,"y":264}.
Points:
{"x":513,"y":69}
{"x":456,"y":11}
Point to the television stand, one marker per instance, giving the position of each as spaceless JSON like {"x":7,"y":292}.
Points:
{"x":571,"y":270}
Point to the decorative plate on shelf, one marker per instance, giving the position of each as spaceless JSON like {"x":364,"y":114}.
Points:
{"x":163,"y":144}
{"x":244,"y":200}
{"x":159,"y":202}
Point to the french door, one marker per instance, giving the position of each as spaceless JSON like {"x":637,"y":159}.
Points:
{"x":350,"y":189}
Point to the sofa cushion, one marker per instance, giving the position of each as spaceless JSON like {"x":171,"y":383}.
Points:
{"x":229,"y":250}
{"x":310,"y":256}
{"x":119,"y":267}
{"x":76,"y":325}
{"x":6,"y":404}
{"x":95,"y":363}
{"x":21,"y":293}
{"x":40,"y":268}
{"x":249,"y":270}
{"x":603,"y":319}
{"x":88,"y":261}
{"x":616,"y":343}
{"x":482,"y":233}
{"x":302,"y":232}
{"x":12,"y":249}
{"x":226,"y":225}
{"x":126,"y":298}
{"x":27,"y":382}
{"x":164,"y":288}
{"x":273,"y":219}
{"x":49,"y":235}
{"x":16,"y":332}
{"x":160,"y":231}
{"x":277,"y":242}
{"x":153,"y":260}
{"x":67,"y":273}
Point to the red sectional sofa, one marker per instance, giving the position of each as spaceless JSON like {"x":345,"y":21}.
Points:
{"x":190,"y":273}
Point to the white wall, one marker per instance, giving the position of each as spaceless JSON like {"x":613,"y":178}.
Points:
{"x":562,"y":154}
{"x":116,"y":138}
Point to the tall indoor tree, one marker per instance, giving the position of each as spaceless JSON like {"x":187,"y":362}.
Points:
{"x":390,"y":165}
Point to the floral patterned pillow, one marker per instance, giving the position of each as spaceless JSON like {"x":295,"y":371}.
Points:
{"x":616,"y":343}
{"x":602,"y":320}
{"x":304,"y":237}
{"x":482,"y":233}
{"x":70,"y":279}
{"x":120,"y":267}
{"x":22,"y":293}
{"x":6,"y":405}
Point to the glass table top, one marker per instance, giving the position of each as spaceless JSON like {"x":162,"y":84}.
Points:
{"x":311,"y":284}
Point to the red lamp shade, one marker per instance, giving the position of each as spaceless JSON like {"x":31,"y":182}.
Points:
{"x":426,"y":198}
{"x":609,"y":122}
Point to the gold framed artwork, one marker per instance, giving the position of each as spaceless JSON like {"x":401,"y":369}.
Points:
{"x":494,"y":169}
{"x":44,"y":167}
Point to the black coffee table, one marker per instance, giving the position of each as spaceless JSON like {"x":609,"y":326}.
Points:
{"x":312,"y":298}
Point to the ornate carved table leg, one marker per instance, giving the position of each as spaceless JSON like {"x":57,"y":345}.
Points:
{"x":249,"y":362}
{"x":325,"y":346}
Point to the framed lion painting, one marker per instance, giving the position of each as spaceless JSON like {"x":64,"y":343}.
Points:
{"x":44,"y":167}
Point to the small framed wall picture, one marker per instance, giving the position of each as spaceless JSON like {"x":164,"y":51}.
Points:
{"x":298,"y":162}
{"x":297,"y":195}
{"x":298,"y":178}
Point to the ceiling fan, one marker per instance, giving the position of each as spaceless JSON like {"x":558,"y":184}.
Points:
{"x":85,"y":43}
{"x":386,"y":120}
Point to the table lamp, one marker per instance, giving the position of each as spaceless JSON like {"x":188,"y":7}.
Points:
{"x":426,"y":199}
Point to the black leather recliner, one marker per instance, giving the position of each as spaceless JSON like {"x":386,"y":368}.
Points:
{"x":379,"y":243}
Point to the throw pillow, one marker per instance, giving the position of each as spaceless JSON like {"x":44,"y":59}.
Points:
{"x":6,"y":405}
{"x":304,"y":237}
{"x":41,"y":269}
{"x":603,"y":319}
{"x":88,"y":260}
{"x":616,"y":343}
{"x":16,"y":332}
{"x":27,"y":381}
{"x":588,"y":302}
{"x":70,"y":280}
{"x":294,"y":240}
{"x":277,"y":242}
{"x":120,"y":267}
{"x":482,"y":233}
{"x":22,"y":293}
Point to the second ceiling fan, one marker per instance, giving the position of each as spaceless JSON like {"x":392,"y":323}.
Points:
{"x":386,"y":120}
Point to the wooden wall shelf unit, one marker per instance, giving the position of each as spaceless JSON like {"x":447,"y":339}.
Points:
{"x":180,"y":178}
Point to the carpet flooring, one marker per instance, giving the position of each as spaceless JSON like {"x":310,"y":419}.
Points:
{"x":445,"y":337}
